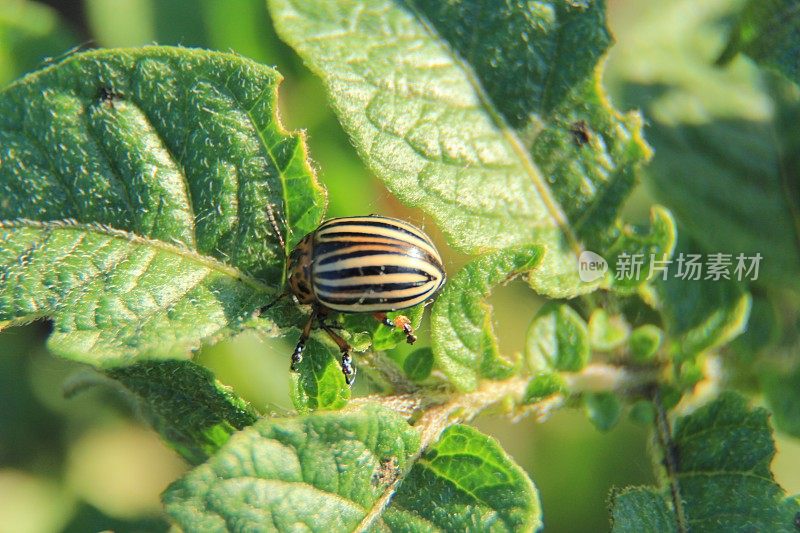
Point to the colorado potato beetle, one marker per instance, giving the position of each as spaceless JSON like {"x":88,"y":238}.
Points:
{"x":366,"y":264}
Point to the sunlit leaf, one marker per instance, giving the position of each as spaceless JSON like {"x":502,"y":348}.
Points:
{"x":465,"y":482}
{"x":488,"y":117}
{"x":323,"y":471}
{"x":139,"y":189}
{"x":463,"y":340}
{"x":319,"y":382}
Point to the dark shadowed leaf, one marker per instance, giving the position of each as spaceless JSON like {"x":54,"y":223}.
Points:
{"x":191,"y":410}
{"x":769,"y":32}
{"x":723,"y":453}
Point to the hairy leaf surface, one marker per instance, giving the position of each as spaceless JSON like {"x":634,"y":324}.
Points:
{"x":322,"y":471}
{"x":488,"y":117}
{"x":465,"y":482}
{"x":337,"y":471}
{"x":191,"y":410}
{"x":149,"y":196}
{"x":463,"y":341}
{"x":723,"y":480}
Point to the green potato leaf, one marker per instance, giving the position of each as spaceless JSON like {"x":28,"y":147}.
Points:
{"x":542,"y":386}
{"x":488,"y":117}
{"x":463,"y":340}
{"x":191,"y":410}
{"x":606,"y":332}
{"x":700,"y":314}
{"x":419,"y":364}
{"x":781,"y":387}
{"x":324,"y":471}
{"x":465,"y":482}
{"x":603,"y":409}
{"x":382,"y":337}
{"x":319,"y":382}
{"x":644,"y":342}
{"x":148,"y":198}
{"x":342,"y":470}
{"x":652,"y":245}
{"x":723,"y":482}
{"x":557,"y":339}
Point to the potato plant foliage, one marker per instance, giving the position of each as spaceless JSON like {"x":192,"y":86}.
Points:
{"x":149,"y":197}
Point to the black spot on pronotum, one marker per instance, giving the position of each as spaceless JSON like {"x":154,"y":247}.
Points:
{"x":580,"y":132}
{"x":109,"y":96}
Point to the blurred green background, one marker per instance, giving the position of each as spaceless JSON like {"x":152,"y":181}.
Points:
{"x":77,"y":458}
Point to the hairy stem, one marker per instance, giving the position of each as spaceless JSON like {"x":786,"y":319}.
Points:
{"x":433,"y":413}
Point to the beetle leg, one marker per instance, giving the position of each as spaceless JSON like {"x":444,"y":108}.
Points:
{"x":401,"y":322}
{"x":297,"y":355}
{"x":348,"y":369}
{"x":383,"y":319}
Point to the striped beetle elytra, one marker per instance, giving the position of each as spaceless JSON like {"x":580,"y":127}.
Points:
{"x":366,"y":264}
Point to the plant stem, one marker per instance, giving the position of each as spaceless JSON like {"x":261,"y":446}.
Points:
{"x":435,"y":418}
{"x":664,"y":436}
{"x":432,"y":413}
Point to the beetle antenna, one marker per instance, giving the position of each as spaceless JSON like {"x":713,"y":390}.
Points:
{"x":273,"y":220}
{"x":277,"y":299}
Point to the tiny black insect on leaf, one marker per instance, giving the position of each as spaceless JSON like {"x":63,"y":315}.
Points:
{"x":580,"y":132}
{"x":109,"y":96}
